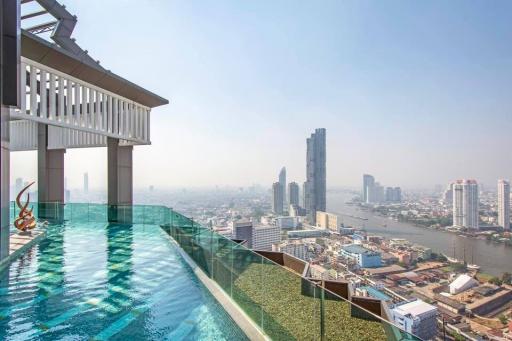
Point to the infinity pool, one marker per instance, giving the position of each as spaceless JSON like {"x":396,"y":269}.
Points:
{"x":96,"y":281}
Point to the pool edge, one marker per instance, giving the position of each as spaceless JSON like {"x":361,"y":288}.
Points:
{"x":4,"y":263}
{"x":244,"y":322}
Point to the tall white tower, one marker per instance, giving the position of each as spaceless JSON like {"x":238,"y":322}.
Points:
{"x":504,"y":204}
{"x":465,"y":204}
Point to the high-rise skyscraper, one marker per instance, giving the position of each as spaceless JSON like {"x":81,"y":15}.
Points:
{"x":277,"y":198}
{"x":393,"y":194}
{"x":282,"y":182}
{"x":304,"y":192}
{"x":368,"y":183}
{"x":465,"y":204}
{"x":86,"y":182}
{"x":315,"y":174}
{"x":378,"y":193}
{"x":448,"y":195}
{"x":293,"y":192}
{"x":19,"y":186}
{"x":504,"y":204}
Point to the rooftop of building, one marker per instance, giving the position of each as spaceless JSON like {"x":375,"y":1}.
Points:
{"x":386,"y":270}
{"x":463,"y":280}
{"x":61,"y":52}
{"x":358,"y":249}
{"x":265,"y":227}
{"x":415,"y":308}
{"x":376,"y":293}
{"x":450,"y":302}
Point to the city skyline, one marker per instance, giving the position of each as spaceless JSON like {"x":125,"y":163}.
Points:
{"x":211,"y":155}
{"x":422,"y":81}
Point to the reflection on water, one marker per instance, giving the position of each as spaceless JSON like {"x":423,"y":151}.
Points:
{"x":493,"y":258}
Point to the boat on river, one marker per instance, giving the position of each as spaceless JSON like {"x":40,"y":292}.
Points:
{"x":473,"y":267}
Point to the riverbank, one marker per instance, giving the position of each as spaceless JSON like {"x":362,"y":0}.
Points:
{"x":494,"y":259}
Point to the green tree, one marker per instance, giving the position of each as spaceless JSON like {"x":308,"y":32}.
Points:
{"x":503,"y":319}
{"x":506,"y":277}
{"x":442,"y":258}
{"x":496,"y":281}
{"x":459,"y":337}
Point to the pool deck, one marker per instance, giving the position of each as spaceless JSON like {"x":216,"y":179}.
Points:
{"x":20,"y":242}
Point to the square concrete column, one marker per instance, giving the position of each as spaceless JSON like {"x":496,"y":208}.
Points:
{"x":120,"y":181}
{"x":4,"y":184}
{"x":10,"y":48}
{"x":50,"y":174}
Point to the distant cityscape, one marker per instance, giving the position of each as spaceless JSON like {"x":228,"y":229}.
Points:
{"x":426,"y":291}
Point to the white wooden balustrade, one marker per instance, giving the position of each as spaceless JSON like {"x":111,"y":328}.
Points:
{"x":85,"y":113}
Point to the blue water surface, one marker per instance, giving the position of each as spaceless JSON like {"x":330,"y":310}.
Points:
{"x":94,"y":281}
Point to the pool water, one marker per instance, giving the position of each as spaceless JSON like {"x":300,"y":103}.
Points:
{"x":93,"y":281}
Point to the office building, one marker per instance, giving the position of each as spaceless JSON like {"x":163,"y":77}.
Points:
{"x":316,"y":233}
{"x":291,"y":222}
{"x":504,"y":204}
{"x":375,"y":193}
{"x":417,"y":317}
{"x":264,"y":236}
{"x":326,"y":220}
{"x":315,"y":197}
{"x":448,"y":195}
{"x":378,"y":193}
{"x":282,"y":182}
{"x":393,"y":194}
{"x":297,"y":211}
{"x":364,"y":257}
{"x":293,"y":193}
{"x":242,"y":230}
{"x":304,"y":192}
{"x":295,"y":248}
{"x":277,"y":198}
{"x":368,"y":182}
{"x":465,"y":204}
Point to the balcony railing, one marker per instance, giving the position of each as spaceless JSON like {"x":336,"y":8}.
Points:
{"x":281,"y":302}
{"x":90,"y":113}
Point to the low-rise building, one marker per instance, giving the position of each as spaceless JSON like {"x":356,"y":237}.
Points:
{"x":364,"y":257}
{"x":416,"y":317}
{"x":449,"y":304}
{"x":346,"y":231}
{"x":287,"y":222}
{"x":315,"y":233}
{"x":327,"y":220}
{"x":243,"y":230}
{"x":264,"y":236}
{"x":462,"y":283}
{"x":295,"y":248}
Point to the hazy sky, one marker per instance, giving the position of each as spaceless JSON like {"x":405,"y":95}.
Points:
{"x":415,"y":93}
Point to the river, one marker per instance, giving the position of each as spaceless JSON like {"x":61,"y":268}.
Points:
{"x":493,"y":258}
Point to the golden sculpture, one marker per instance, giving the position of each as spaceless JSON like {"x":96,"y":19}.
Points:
{"x":26,"y":220}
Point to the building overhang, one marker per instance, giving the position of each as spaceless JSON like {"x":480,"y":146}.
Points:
{"x":39,"y":50}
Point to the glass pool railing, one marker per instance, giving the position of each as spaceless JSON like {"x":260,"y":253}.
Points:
{"x":282,"y":303}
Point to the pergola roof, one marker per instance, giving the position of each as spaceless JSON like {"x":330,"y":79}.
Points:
{"x":38,"y":49}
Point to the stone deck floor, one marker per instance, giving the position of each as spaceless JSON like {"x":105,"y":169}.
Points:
{"x":20,"y":242}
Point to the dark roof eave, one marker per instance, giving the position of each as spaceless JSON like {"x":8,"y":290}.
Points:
{"x":51,"y":55}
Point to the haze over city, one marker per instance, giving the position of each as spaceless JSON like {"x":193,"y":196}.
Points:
{"x":258,"y":170}
{"x":416,"y":93}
